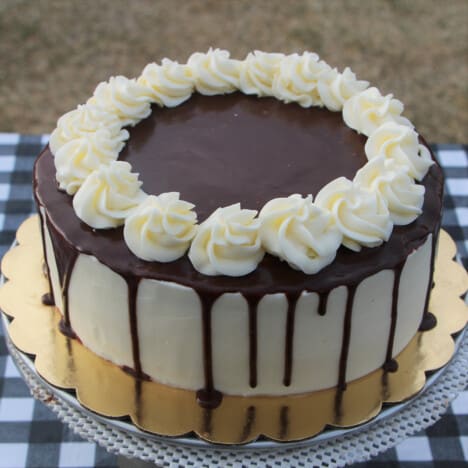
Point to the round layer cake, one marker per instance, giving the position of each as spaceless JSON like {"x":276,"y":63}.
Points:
{"x":197,"y":323}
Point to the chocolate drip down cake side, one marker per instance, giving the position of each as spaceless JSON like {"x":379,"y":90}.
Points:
{"x":264,"y":226}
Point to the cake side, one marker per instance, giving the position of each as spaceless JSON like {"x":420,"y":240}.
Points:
{"x":274,"y":348}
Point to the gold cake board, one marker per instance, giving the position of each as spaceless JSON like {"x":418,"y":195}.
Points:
{"x":108,"y":391}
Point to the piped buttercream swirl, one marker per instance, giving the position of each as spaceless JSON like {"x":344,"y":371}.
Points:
{"x":402,"y":195}
{"x":360,"y":214}
{"x":108,"y":195}
{"x":160,"y":228}
{"x":168,"y":84}
{"x":299,"y":232}
{"x":401,"y":144}
{"x":227,"y":243}
{"x":76,"y":159}
{"x":258,"y":71}
{"x":123,"y":97}
{"x":336,"y":88}
{"x":297,"y":78}
{"x":214,"y":72}
{"x":84,"y":121}
{"x":368,"y":110}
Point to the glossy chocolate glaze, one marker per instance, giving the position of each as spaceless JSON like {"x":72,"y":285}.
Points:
{"x":239,"y":149}
{"x":221,"y":150}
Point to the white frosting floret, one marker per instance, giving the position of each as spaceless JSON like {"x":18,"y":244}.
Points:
{"x":214,"y":72}
{"x":400,"y":143}
{"x":402,"y":195}
{"x":360,"y":214}
{"x":258,"y":71}
{"x":227,"y":243}
{"x":297,"y":79}
{"x":337,"y":88}
{"x":296,"y":230}
{"x":160,"y":228}
{"x":168,"y":84}
{"x":368,"y":110}
{"x":124,"y":97}
{"x":108,"y":195}
{"x":75,"y":160}
{"x":83,"y":121}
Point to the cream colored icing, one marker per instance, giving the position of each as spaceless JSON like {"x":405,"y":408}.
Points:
{"x":400,"y":143}
{"x":84,"y":121}
{"x":368,"y":110}
{"x":214,"y":72}
{"x":168,"y":84}
{"x":299,"y":232}
{"x":297,"y":79}
{"x":77,"y":158}
{"x":124,"y":97}
{"x":160,"y":228}
{"x":257,"y":73}
{"x":402,"y":195}
{"x":337,"y":88}
{"x":108,"y":195}
{"x":360,"y":214}
{"x":227,"y":243}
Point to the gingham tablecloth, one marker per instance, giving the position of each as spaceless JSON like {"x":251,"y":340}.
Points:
{"x":31,"y":435}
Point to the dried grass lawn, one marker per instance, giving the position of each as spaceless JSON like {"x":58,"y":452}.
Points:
{"x":53,"y":53}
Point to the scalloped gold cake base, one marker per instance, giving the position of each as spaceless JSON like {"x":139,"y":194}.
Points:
{"x":107,"y":390}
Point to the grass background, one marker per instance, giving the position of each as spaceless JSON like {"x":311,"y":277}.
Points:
{"x":54,"y":52}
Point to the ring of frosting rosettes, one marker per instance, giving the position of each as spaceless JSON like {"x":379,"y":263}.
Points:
{"x":304,"y":232}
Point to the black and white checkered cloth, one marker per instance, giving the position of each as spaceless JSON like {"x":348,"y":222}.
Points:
{"x":31,"y":435}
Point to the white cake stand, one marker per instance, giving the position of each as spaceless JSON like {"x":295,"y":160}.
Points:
{"x":331,"y":448}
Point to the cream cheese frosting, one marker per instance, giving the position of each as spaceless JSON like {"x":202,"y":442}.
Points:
{"x":168,"y":84}
{"x":160,"y":228}
{"x":227,"y":243}
{"x":78,"y":158}
{"x":299,"y":232}
{"x":297,"y":79}
{"x":123,"y":97}
{"x":257,"y":73}
{"x":368,"y":110}
{"x":361,"y":214}
{"x":400,"y":144}
{"x":232,"y":241}
{"x":339,"y":87}
{"x":108,"y":195}
{"x":86,"y":120}
{"x":214,"y":72}
{"x":403,"y":197}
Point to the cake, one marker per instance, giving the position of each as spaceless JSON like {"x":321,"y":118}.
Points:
{"x":264,"y":226}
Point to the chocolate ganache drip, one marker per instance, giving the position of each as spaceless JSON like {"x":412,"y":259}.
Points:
{"x":253,"y":339}
{"x":391,"y":365}
{"x":347,"y":322}
{"x":208,"y":397}
{"x":323,"y":301}
{"x":289,"y":342}
{"x":65,"y":258}
{"x":132,"y":288}
{"x":47,"y":298}
{"x":429,"y":320}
